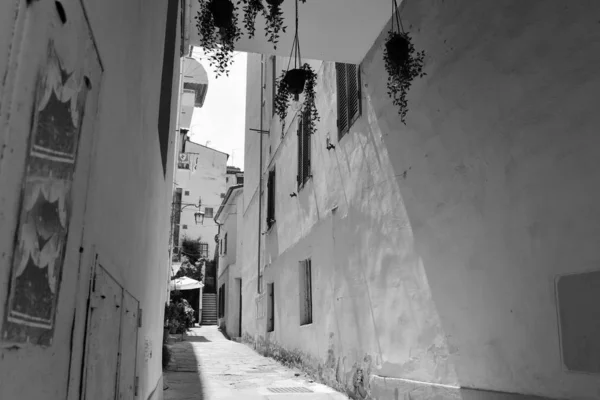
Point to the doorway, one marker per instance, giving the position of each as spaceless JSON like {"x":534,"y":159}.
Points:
{"x":111,"y":340}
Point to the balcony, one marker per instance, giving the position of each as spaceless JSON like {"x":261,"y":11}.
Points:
{"x":332,"y":30}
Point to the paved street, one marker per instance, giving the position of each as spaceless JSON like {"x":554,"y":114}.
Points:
{"x":207,"y":366}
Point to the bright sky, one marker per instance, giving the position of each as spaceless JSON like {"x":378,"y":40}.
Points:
{"x":222,"y":119}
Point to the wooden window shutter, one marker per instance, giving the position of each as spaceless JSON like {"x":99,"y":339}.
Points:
{"x":274,"y":88}
{"x":353,"y":81}
{"x":299,"y":176}
{"x":349,"y":96}
{"x":305,"y":146}
{"x":342,"y":98}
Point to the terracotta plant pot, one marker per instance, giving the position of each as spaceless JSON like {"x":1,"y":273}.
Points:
{"x":295,"y":80}
{"x":222,"y":11}
{"x":398,"y":49}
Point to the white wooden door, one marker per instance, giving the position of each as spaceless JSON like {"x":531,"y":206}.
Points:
{"x":103,"y":332}
{"x":128,"y":353}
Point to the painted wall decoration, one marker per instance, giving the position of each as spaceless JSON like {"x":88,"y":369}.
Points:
{"x":45,"y":208}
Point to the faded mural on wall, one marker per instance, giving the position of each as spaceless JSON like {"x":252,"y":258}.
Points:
{"x":45,"y":208}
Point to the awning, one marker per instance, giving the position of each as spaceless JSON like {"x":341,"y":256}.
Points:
{"x":185,"y":283}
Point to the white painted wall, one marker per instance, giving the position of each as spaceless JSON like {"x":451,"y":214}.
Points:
{"x":439,"y":263}
{"x":124,"y":216}
{"x":231,"y":219}
{"x":208,"y":182}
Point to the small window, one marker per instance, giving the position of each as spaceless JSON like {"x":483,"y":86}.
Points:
{"x":208,"y":212}
{"x":240,"y":180}
{"x":222,"y":195}
{"x":304,"y":139}
{"x":348,"y":96}
{"x":186,"y":193}
{"x":203,"y":250}
{"x":274,"y":82}
{"x":271,"y":307}
{"x":221,"y":246}
{"x":225,"y":245}
{"x":271,"y":199}
{"x":227,"y":179}
{"x":305,"y":292}
{"x":184,"y":227}
{"x":222,"y":301}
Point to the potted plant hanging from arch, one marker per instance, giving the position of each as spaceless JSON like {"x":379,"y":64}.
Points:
{"x":402,"y":63}
{"x":217,"y":25}
{"x":295,"y":81}
{"x":272,"y":14}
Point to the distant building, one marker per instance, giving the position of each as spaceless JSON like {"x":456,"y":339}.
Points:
{"x":199,"y":189}
{"x":230,"y":217}
{"x":235,"y":176}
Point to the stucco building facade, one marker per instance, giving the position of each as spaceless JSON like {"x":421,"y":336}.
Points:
{"x":86,"y":171}
{"x":229,"y":282}
{"x":200,"y":183}
{"x":453,"y":256}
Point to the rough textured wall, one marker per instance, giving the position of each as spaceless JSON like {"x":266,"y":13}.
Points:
{"x":124,"y":218}
{"x":367,"y":279}
{"x":453,"y":228}
{"x":500,"y":153}
{"x":208,"y":182}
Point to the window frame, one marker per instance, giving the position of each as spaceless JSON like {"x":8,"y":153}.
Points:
{"x":304,"y":171}
{"x":204,"y":250}
{"x":344,"y":130}
{"x":305,"y":300}
{"x":274,"y":84}
{"x":211,"y":212}
{"x":271,"y":193}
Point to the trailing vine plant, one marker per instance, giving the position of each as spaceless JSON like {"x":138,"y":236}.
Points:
{"x":293,"y":82}
{"x":274,"y":18}
{"x":402,"y":63}
{"x":216,"y":23}
{"x":251,"y":9}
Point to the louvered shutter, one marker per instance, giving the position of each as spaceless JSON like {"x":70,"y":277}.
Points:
{"x":352,"y":78}
{"x":342,"y":98}
{"x":308,"y":291}
{"x":300,"y":148}
{"x":306,"y":146}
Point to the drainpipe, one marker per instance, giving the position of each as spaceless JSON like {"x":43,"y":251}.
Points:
{"x":260,"y":172}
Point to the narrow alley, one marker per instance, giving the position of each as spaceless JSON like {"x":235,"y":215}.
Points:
{"x":206,"y":365}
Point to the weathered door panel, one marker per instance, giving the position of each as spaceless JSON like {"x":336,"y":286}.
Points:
{"x":128,"y":353}
{"x":104,"y":329}
{"x":50,"y":81}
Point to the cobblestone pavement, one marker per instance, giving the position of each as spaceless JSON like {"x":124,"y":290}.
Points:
{"x":207,"y":366}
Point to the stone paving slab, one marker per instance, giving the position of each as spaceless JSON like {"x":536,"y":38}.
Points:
{"x":208,"y":366}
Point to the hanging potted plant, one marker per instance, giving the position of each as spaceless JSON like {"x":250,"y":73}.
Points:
{"x":402,"y":63}
{"x":216,"y":23}
{"x":295,"y":81}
